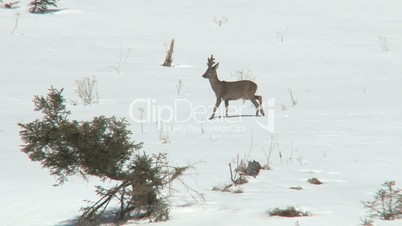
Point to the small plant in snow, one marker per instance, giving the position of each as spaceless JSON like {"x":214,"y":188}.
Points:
{"x":300,"y":158}
{"x":244,"y":75}
{"x":237,"y":175}
{"x":179,"y":86}
{"x":202,"y":128}
{"x":122,"y":59}
{"x":41,"y":6}
{"x":163,"y":134}
{"x":220,"y":21}
{"x":85,"y":89}
{"x":274,"y":144}
{"x":17,"y":18}
{"x":292,"y":97}
{"x":284,"y":107}
{"x":384,"y":43}
{"x":246,"y":167}
{"x":387,"y":203}
{"x":212,"y":138}
{"x":288,"y":212}
{"x":281,"y":35}
{"x":141,"y":110}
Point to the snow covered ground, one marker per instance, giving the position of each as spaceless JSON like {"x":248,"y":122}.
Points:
{"x":341,"y":59}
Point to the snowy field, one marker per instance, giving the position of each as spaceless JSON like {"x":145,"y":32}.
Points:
{"x":341,"y":59}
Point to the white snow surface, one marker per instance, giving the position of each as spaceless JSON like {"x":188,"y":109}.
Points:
{"x":344,"y":130}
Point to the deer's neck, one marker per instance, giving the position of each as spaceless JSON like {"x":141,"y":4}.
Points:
{"x":216,"y":85}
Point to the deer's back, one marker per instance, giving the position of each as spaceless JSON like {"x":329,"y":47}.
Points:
{"x":242,"y":89}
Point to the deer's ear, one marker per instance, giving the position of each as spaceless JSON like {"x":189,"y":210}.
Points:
{"x":216,"y":66}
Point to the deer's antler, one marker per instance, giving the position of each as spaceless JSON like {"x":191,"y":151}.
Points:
{"x":211,"y":61}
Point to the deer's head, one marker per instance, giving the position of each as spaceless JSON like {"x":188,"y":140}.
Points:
{"x":211,"y":71}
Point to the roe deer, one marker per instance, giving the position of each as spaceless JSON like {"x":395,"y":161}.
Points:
{"x":243,"y":89}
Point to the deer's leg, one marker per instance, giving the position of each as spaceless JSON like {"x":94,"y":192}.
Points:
{"x":252,"y":99}
{"x":259,"y":98}
{"x":218,"y":102}
{"x":226,"y":107}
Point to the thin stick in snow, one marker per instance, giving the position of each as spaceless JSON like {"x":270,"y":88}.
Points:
{"x":169,"y":56}
{"x":17,"y":17}
{"x":294,"y":99}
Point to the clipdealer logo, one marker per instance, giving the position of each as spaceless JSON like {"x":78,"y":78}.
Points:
{"x":184,"y":113}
